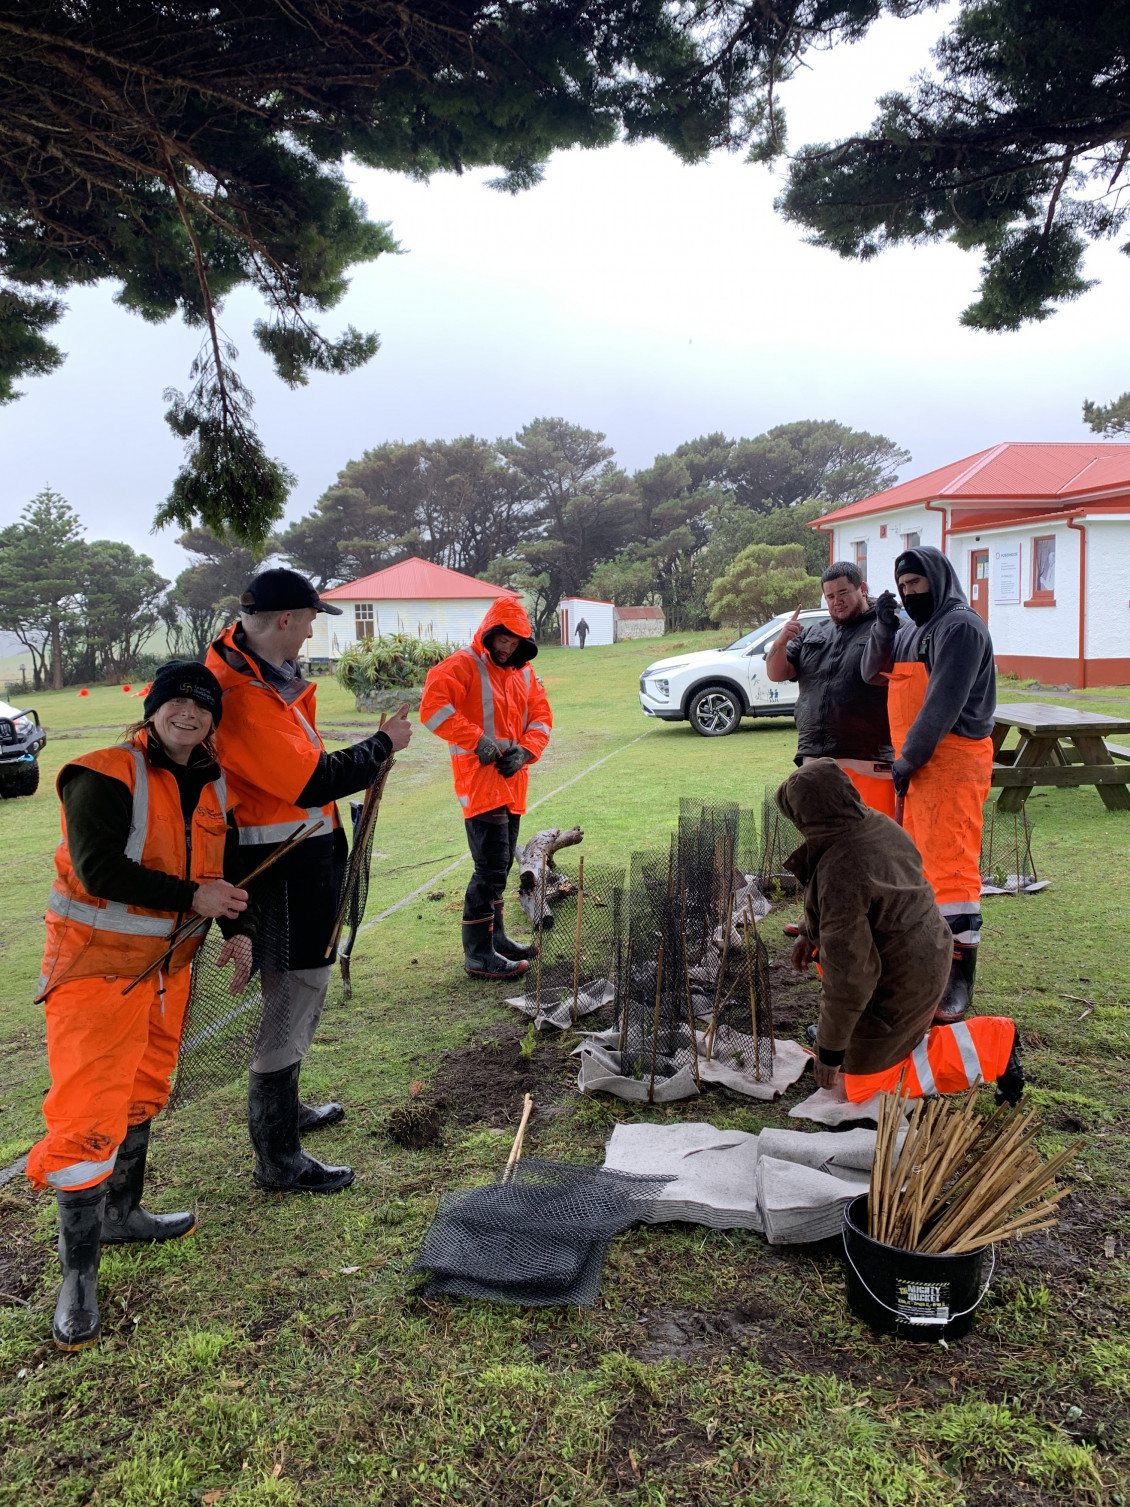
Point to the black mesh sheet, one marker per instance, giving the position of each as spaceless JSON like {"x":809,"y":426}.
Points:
{"x":222,"y":1031}
{"x":573,"y":973}
{"x":536,"y":1240}
{"x":779,"y":838}
{"x":1007,"y":866}
{"x":740,"y":1035}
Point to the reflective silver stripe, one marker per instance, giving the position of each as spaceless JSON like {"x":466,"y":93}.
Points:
{"x":487,"y":694}
{"x":115,"y":916}
{"x":439,"y":717}
{"x":922,"y":1067}
{"x":529,"y":675}
{"x":81,"y":1172}
{"x":464,"y":800}
{"x":250,"y":837}
{"x":961,"y":908}
{"x":963,"y":1036}
{"x":220,"y":786}
{"x":139,"y":820}
{"x":310,"y":733}
{"x":541,"y":727}
{"x":455,"y":750}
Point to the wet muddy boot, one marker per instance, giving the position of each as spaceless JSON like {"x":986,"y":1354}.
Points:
{"x":123,"y":1218}
{"x":318,"y":1116}
{"x":281,"y":1165}
{"x":1010,"y":1084}
{"x":479,"y":957}
{"x":505,"y":946}
{"x":959,"y":990}
{"x":76,"y":1324}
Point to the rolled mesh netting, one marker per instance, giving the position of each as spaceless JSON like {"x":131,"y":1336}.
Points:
{"x":358,"y":895}
{"x":572,"y":974}
{"x":537,"y":1238}
{"x":779,"y":838}
{"x":223,"y":1032}
{"x":1006,"y":864}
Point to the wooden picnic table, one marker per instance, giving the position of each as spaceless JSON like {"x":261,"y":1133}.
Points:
{"x":1058,"y":746}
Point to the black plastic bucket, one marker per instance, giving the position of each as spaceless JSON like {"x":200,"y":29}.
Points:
{"x":909,"y":1293}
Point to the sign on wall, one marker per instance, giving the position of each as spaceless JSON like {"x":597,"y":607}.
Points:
{"x":1006,"y":573}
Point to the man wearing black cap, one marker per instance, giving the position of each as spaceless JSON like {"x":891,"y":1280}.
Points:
{"x":280,"y":776}
{"x":941,"y":695}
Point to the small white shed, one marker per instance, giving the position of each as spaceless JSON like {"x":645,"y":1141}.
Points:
{"x":600,"y":617}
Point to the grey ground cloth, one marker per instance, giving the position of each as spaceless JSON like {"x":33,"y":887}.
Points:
{"x":829,"y":1106}
{"x":730,"y":1065}
{"x":1014,"y":884}
{"x":600,"y":1073}
{"x":557,"y":1007}
{"x":789,"y":1185}
{"x":600,"y":1070}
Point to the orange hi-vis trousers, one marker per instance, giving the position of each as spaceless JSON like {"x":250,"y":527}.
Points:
{"x":873,"y":783}
{"x":944,"y":806}
{"x":946,"y":1060}
{"x":111,"y":1060}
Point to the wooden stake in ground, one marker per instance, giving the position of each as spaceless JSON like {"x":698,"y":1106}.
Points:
{"x":655,"y":1025}
{"x":577,"y":938}
{"x":516,"y":1150}
{"x":721,"y":977}
{"x":541,"y":949}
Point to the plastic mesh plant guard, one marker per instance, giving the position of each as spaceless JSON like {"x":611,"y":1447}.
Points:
{"x":538,"y":1239}
{"x":779,"y":838}
{"x":359,"y":898}
{"x":222,"y":1032}
{"x":573,"y":973}
{"x":1007,"y":866}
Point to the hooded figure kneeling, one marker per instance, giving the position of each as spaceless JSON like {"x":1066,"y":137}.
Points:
{"x":884,"y":954}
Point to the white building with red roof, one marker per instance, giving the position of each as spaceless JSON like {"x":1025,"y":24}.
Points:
{"x":1040,"y":537}
{"x":414,"y":597}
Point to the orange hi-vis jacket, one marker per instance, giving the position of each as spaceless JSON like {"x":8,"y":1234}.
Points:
{"x":88,"y":937}
{"x":269,"y":747}
{"x":469,"y":695}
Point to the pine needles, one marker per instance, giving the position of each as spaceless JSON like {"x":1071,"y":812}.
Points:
{"x":955,"y":1182}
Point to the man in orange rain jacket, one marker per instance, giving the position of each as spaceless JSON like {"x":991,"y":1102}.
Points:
{"x":486,"y":703}
{"x":941,"y":694}
{"x":884,"y":953}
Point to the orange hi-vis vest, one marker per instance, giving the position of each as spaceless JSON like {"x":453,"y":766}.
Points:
{"x":269,"y":747}
{"x":467,"y":695}
{"x":88,"y":937}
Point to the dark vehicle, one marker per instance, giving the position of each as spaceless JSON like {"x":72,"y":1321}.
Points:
{"x":21,"y":741}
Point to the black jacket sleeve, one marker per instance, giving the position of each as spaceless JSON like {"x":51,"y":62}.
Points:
{"x":346,"y":772}
{"x":99,"y":809}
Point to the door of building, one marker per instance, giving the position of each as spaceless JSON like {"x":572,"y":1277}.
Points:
{"x":979,"y":582}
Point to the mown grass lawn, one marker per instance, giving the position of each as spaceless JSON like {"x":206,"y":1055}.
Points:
{"x":280,"y":1355}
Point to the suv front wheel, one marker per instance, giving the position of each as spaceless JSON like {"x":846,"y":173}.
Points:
{"x":714,"y":711}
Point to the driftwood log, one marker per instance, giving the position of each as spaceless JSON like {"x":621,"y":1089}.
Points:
{"x":533,"y":857}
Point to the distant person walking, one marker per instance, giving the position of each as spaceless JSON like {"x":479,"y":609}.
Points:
{"x":838,"y":714}
{"x":582,"y":632}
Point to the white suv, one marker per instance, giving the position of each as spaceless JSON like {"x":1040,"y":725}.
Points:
{"x":715,"y":688}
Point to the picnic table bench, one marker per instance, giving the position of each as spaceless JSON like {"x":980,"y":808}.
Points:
{"x":1059,"y":746}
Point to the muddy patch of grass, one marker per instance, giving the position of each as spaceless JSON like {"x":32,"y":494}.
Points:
{"x":488,"y":1079}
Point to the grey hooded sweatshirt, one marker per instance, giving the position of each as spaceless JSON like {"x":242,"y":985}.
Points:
{"x":957,"y":651}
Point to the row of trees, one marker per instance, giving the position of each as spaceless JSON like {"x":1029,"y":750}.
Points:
{"x":550,"y":513}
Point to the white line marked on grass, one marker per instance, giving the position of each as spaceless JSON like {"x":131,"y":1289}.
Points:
{"x":400,"y":904}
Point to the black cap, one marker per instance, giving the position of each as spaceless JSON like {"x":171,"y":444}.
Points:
{"x":909,"y":560}
{"x":185,"y":677}
{"x":282,"y":590}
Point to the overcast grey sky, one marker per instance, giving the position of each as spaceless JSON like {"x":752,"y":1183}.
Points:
{"x":628,"y":293}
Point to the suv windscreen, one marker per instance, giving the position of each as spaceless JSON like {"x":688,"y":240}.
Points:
{"x":755,"y":637}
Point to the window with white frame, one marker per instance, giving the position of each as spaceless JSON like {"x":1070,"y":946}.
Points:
{"x":363,"y":619}
{"x":1043,"y":565}
{"x":911,"y":539}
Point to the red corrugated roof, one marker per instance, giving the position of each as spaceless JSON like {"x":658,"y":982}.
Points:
{"x":1038,"y":473}
{"x":410,"y":580}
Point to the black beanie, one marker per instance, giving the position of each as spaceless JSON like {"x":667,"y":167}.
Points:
{"x":909,"y":561}
{"x":185,"y":677}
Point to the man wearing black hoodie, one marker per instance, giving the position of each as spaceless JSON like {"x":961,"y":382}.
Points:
{"x":941,"y":695}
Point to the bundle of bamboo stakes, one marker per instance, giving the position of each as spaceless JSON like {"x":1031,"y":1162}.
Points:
{"x":957,"y":1182}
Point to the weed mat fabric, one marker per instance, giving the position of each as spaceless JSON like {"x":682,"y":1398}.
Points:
{"x":537,"y":1239}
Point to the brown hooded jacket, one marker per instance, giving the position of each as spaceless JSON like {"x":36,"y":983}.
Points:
{"x":885,"y":950}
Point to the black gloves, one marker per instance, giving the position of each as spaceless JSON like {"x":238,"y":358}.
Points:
{"x":512,"y":760}
{"x":487,"y":750}
{"x":886,"y":611}
{"x":901,"y":773}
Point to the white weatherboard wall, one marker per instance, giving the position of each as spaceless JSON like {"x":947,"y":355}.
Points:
{"x":883,"y":552}
{"x":1108,"y":588}
{"x":1017,"y":630}
{"x":452,"y":620}
{"x":600,"y":616}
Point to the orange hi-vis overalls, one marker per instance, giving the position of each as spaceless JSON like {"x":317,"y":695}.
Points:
{"x":943,"y":808}
{"x":111,"y":1057}
{"x":873,"y":781}
{"x":269,"y":748}
{"x":947,"y":1059}
{"x":468,"y":695}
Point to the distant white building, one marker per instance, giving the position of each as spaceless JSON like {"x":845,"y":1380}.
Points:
{"x":600,"y":616}
{"x":1040,"y":537}
{"x":413,"y":597}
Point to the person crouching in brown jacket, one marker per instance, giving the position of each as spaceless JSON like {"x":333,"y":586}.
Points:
{"x":884,"y":953}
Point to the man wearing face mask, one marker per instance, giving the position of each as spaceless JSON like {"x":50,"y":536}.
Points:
{"x":487,"y":704}
{"x":941,"y":695}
